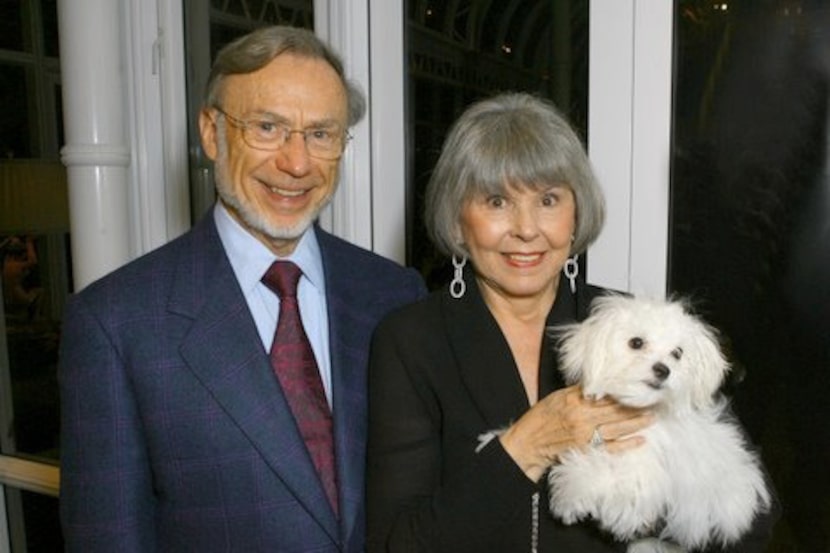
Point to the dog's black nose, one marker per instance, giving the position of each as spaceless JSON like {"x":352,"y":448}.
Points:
{"x":661,"y":371}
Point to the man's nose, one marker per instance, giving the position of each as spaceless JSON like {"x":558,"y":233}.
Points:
{"x":293,"y":157}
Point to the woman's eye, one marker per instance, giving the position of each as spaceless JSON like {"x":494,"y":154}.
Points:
{"x":549,"y":200}
{"x":496,"y":201}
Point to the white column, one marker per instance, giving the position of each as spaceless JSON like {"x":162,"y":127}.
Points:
{"x":96,"y":154}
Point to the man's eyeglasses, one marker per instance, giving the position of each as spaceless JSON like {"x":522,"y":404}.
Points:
{"x":262,"y":134}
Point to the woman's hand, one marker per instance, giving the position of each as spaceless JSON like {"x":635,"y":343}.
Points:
{"x":564,"y":420}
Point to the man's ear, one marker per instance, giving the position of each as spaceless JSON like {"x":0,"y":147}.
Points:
{"x":207,"y":132}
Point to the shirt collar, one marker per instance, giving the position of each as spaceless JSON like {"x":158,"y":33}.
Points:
{"x":250,"y":258}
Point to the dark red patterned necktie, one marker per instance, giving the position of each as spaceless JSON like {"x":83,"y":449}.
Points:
{"x":293,"y":362}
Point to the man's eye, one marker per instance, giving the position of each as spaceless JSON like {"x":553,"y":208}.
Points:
{"x":321,"y":135}
{"x":265,"y":128}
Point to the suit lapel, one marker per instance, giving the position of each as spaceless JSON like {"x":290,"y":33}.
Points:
{"x":485,"y":363}
{"x":349,"y":330}
{"x":225,"y":353}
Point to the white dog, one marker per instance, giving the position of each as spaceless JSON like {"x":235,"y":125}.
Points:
{"x":694,"y":482}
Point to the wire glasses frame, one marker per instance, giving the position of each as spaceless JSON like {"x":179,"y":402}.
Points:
{"x":267,"y":135}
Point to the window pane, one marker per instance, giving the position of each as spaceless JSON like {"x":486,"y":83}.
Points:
{"x":15,"y":123}
{"x":750,"y":235}
{"x":49,"y":17}
{"x":207,"y":31}
{"x":34,"y":524}
{"x":34,"y":234}
{"x":232,"y":18}
{"x":458,"y":52}
{"x":34,"y":288}
{"x":13,"y":26}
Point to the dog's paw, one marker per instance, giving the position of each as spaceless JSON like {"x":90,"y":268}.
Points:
{"x":568,"y":514}
{"x":591,"y":485}
{"x":653,"y":545}
{"x":570,"y":501}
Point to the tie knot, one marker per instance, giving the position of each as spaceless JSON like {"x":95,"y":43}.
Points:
{"x":282,"y":278}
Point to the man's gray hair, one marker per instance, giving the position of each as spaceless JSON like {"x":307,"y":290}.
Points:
{"x":255,"y":50}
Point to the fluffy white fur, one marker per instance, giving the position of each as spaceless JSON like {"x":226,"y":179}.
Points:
{"x":694,"y":483}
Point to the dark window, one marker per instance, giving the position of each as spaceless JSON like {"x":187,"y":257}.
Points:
{"x":15,"y":117}
{"x":749,"y":233}
{"x":458,"y":52}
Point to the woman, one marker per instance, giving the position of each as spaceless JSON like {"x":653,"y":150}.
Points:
{"x":512,"y":196}
{"x":513,"y":199}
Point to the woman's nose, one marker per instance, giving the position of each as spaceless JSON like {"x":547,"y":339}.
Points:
{"x":525,"y":225}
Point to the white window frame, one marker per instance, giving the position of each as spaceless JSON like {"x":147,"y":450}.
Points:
{"x":156,"y":84}
{"x":369,"y":208}
{"x":629,"y":133}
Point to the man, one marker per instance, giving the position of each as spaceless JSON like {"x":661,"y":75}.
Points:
{"x":178,"y":431}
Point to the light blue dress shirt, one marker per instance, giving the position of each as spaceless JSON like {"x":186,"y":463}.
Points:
{"x":250,"y":259}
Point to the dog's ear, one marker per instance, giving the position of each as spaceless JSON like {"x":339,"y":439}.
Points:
{"x":585,"y":348}
{"x":566,"y":339}
{"x":583,"y":353}
{"x":708,"y":363}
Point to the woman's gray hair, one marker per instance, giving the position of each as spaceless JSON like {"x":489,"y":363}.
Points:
{"x":255,"y":50}
{"x":512,"y":139}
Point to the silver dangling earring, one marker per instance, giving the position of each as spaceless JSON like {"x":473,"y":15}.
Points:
{"x":458,"y":286}
{"x":571,"y":270}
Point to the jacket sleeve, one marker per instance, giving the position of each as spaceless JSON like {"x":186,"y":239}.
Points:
{"x":106,"y":489}
{"x":411,"y":507}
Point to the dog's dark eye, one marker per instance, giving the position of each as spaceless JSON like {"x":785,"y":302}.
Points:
{"x":636,"y":343}
{"x":677,"y":353}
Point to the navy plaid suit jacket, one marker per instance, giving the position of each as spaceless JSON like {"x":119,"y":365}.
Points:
{"x":175,"y":433}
